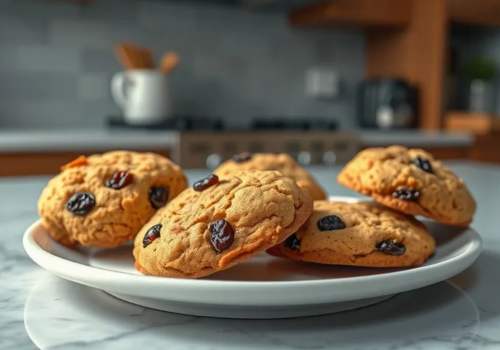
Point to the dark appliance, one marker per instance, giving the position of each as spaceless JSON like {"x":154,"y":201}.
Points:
{"x":386,"y":103}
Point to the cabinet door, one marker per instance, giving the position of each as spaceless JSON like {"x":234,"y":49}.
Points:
{"x":41,"y":163}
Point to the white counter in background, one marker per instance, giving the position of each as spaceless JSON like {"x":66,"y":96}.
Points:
{"x":86,"y":140}
{"x":415,"y":138}
{"x":105,"y":139}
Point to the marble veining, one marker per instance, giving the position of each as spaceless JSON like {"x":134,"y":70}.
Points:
{"x":461,"y":313}
{"x":100,"y":323}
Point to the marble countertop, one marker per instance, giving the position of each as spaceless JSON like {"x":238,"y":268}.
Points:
{"x":461,"y":313}
{"x":106,"y":139}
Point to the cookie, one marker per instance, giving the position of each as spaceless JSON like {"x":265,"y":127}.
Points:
{"x":220,"y":222}
{"x":358,"y":234}
{"x":410,"y":181}
{"x":270,"y":161}
{"x":104,"y":200}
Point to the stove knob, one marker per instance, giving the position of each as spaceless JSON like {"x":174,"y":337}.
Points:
{"x":329,"y":158}
{"x":304,"y":158}
{"x":213,"y":160}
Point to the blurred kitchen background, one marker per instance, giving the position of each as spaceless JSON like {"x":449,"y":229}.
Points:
{"x":319,"y":80}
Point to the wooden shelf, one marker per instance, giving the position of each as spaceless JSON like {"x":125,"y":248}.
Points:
{"x":477,"y":123}
{"x":364,"y":13}
{"x":476,"y":12}
{"x":391,"y":13}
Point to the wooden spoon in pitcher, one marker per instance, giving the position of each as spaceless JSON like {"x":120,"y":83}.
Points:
{"x":169,"y":61}
{"x":134,"y":57}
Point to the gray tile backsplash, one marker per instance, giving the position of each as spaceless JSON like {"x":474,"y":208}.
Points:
{"x":26,"y":86}
{"x":95,"y":60}
{"x":39,"y":58}
{"x":17,"y":30}
{"x":56,"y":60}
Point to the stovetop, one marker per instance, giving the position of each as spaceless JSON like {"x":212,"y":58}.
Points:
{"x":310,"y":140}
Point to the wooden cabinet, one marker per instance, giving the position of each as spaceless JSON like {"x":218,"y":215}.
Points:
{"x":406,"y":39}
{"x":41,"y":163}
{"x":485,"y":126}
{"x":409,"y":39}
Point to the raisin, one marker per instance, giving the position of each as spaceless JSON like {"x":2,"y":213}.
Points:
{"x":151,"y":234}
{"x":206,"y":182}
{"x":330,"y":223}
{"x":81,"y":203}
{"x":391,"y":247}
{"x":293,"y":242}
{"x":158,"y":196}
{"x":119,"y":179}
{"x":221,"y":235}
{"x":242,"y":157}
{"x":423,"y":164}
{"x":406,"y":194}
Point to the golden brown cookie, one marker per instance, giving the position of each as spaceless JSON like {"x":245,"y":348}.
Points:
{"x":270,"y":161}
{"x":358,"y":234}
{"x":220,"y":222}
{"x":104,"y":200}
{"x":411,"y":181}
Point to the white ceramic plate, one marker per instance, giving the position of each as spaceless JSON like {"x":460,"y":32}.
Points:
{"x":263,"y":287}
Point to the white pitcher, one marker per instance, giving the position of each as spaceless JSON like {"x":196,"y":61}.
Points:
{"x":143,"y":95}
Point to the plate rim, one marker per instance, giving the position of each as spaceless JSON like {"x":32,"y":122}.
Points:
{"x":35,"y":252}
{"x":43,"y":258}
